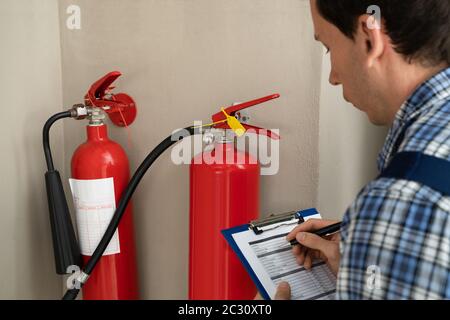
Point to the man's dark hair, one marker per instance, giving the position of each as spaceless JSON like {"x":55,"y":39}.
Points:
{"x":419,"y":29}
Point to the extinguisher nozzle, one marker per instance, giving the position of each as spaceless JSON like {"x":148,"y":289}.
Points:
{"x":65,"y":245}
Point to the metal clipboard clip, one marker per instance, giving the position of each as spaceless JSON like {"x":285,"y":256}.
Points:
{"x":274,"y":221}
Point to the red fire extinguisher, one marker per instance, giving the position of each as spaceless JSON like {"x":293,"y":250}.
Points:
{"x":224,"y":192}
{"x":100,"y":173}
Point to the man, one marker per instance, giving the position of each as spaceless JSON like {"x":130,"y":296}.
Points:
{"x":395,"y":237}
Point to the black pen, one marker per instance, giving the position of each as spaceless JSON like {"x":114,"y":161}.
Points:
{"x":333,"y":228}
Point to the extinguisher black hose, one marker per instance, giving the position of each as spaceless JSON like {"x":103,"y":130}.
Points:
{"x":125,"y":199}
{"x":46,"y":136}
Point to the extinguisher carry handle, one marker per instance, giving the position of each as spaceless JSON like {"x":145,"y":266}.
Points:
{"x":231,"y":110}
{"x":253,"y":129}
{"x":99,"y":88}
{"x":120,"y":107}
{"x":220,"y":117}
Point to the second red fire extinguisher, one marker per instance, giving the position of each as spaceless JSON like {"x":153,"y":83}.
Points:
{"x":224,"y":192}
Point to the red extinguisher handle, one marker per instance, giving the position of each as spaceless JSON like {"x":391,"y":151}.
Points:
{"x":120,"y":107}
{"x":253,"y":129}
{"x":220,"y":117}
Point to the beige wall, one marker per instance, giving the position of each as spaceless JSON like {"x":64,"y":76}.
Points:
{"x":181,"y":60}
{"x":348,"y":148}
{"x":30,"y":86}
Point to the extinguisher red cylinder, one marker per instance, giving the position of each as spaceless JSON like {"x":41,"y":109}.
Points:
{"x":115,"y":276}
{"x":222,"y":195}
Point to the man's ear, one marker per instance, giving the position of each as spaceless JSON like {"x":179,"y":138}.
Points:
{"x":371,"y":38}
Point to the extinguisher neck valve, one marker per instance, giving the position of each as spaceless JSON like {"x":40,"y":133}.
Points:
{"x":225,"y":140}
{"x":208,"y":138}
{"x":225,"y":136}
{"x":96,"y":117}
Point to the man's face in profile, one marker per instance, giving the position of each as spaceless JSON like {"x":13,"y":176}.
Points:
{"x":349,"y":67}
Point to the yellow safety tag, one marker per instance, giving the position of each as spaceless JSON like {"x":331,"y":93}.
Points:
{"x":234,"y":124}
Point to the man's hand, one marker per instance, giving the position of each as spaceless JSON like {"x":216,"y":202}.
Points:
{"x":283,"y":292}
{"x":314,"y":247}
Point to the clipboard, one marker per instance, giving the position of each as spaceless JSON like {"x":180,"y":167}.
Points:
{"x":263,"y":251}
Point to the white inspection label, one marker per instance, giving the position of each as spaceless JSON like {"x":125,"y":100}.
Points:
{"x":95,"y":205}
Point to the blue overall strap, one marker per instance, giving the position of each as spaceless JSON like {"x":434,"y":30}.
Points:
{"x":418,"y":167}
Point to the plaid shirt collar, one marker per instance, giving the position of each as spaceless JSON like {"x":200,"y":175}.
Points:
{"x":426,"y":96}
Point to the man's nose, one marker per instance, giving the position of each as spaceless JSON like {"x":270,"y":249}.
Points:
{"x":333,"y":79}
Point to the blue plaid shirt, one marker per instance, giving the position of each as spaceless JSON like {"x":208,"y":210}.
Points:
{"x":395,"y":237}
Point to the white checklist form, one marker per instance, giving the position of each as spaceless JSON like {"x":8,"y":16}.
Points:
{"x":269,"y":260}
